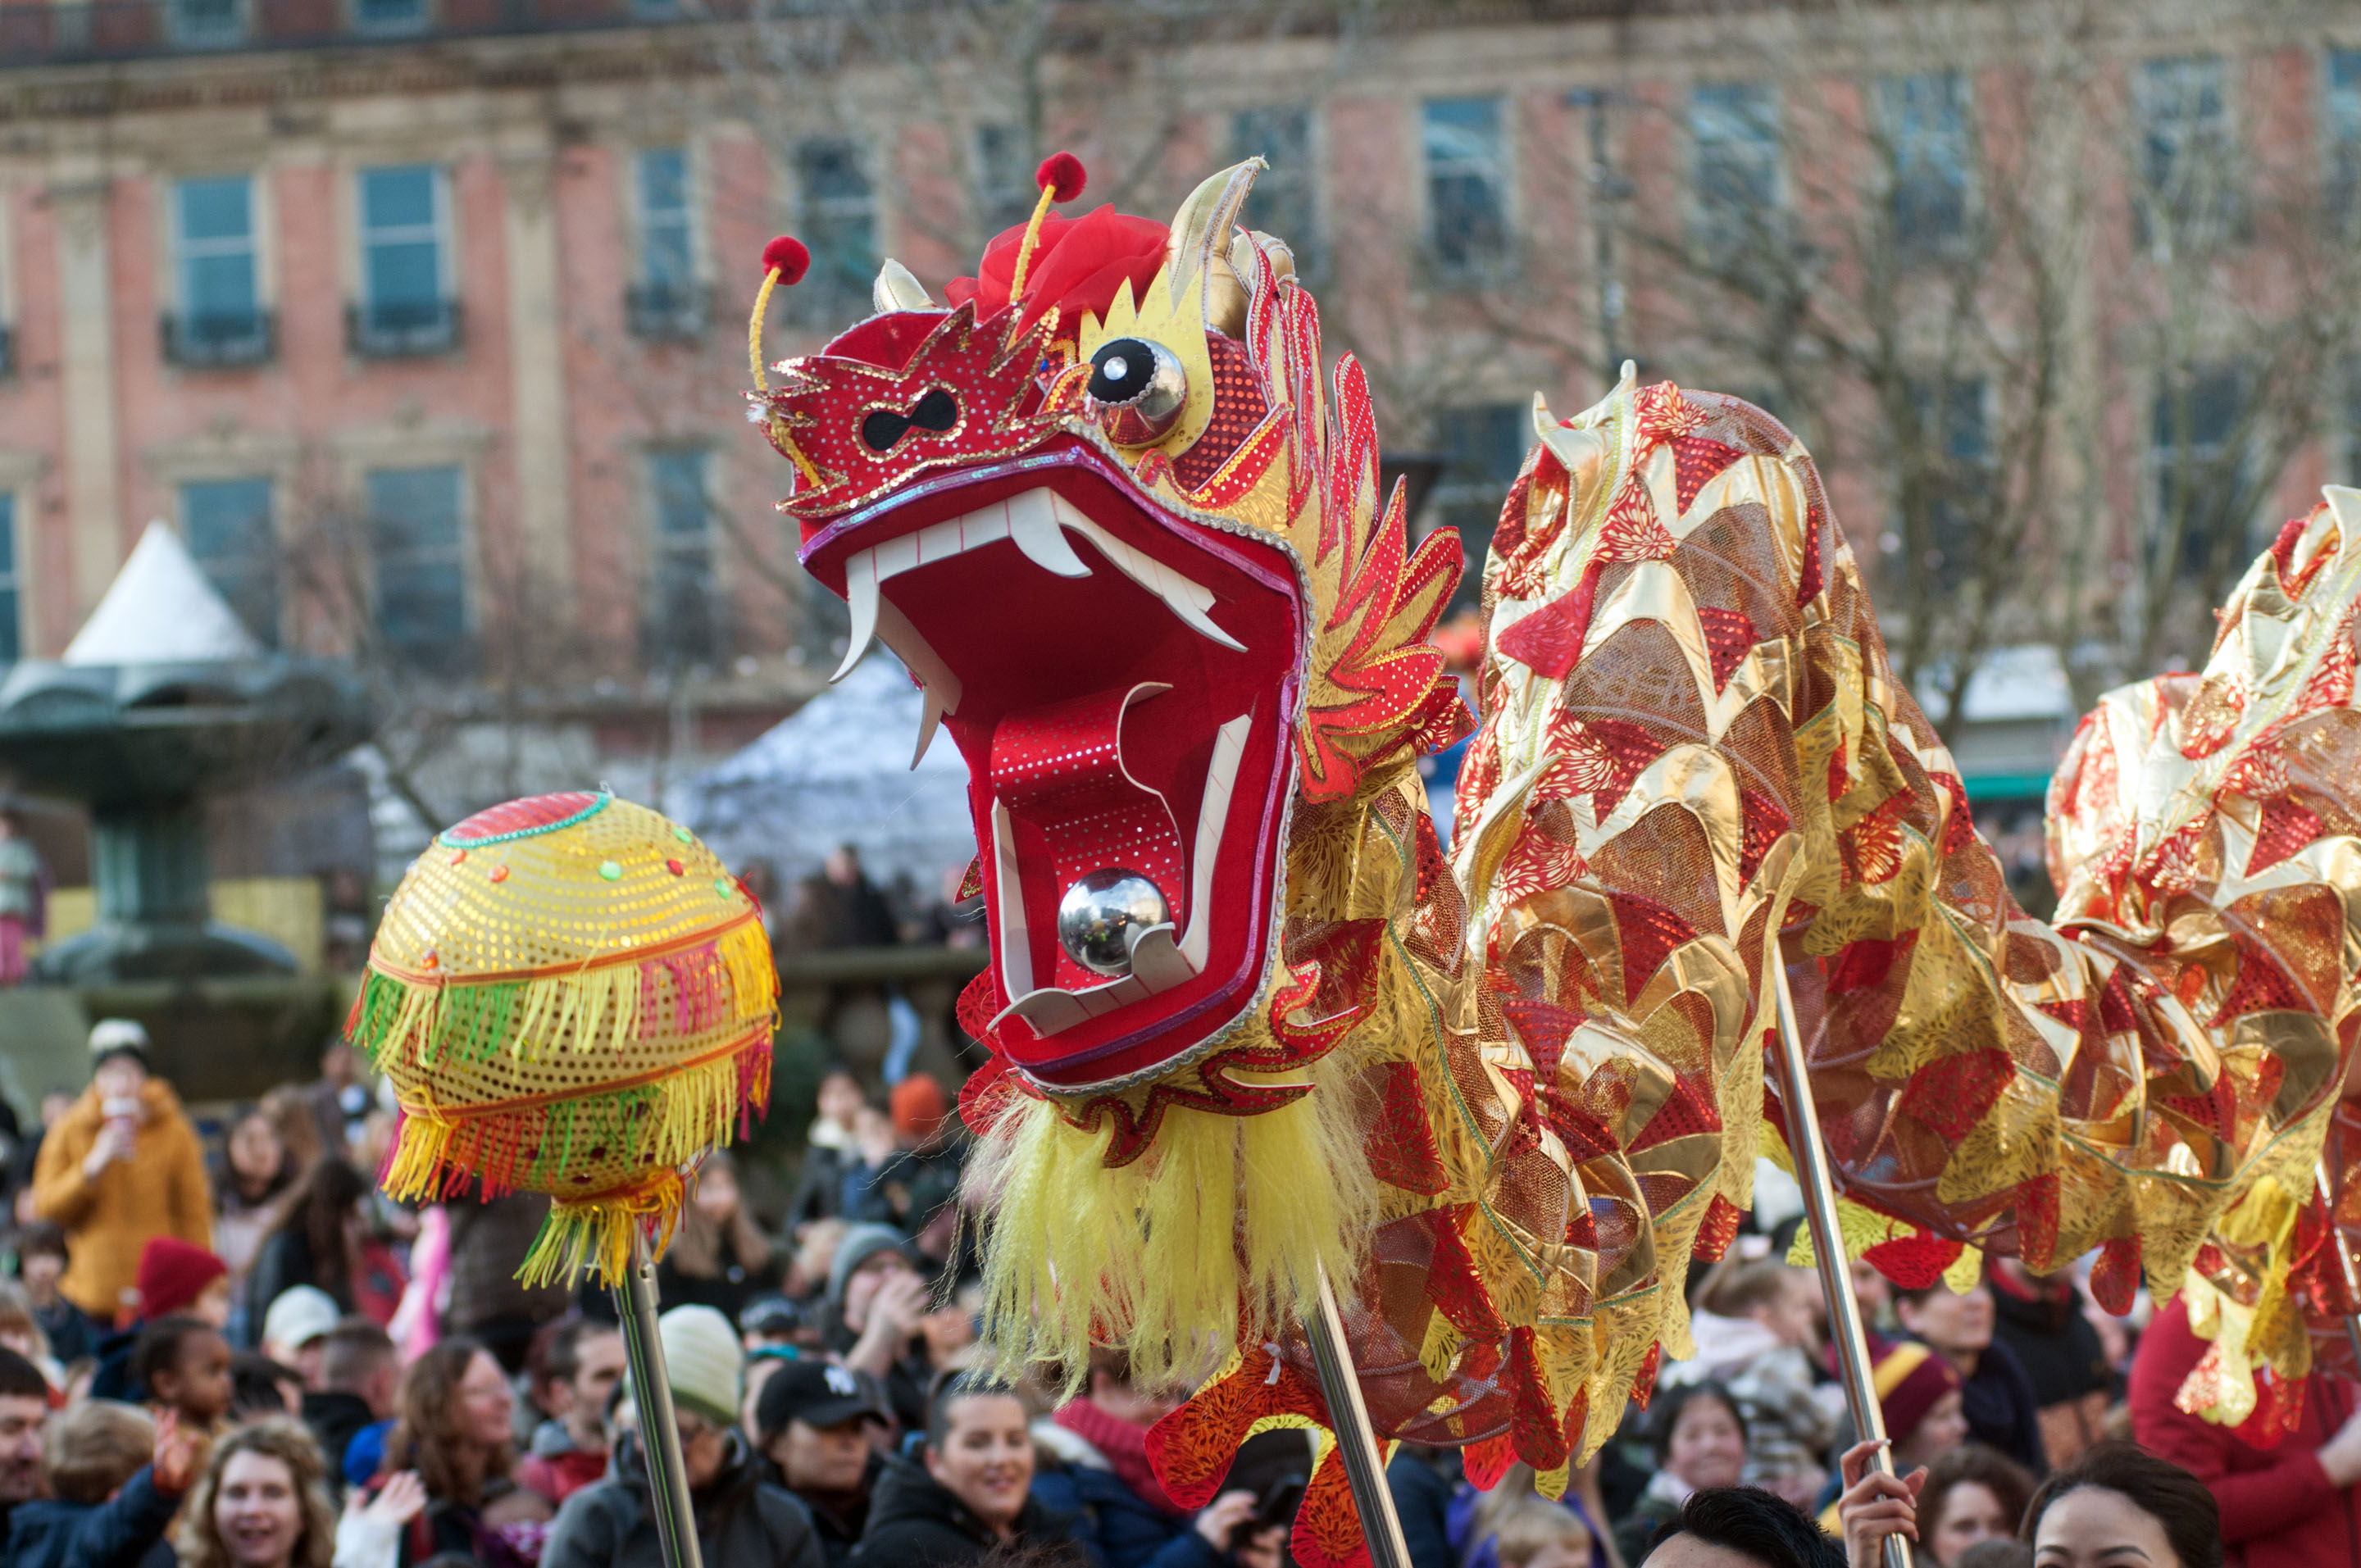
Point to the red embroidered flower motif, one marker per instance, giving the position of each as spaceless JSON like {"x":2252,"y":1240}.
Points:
{"x":1078,"y":265}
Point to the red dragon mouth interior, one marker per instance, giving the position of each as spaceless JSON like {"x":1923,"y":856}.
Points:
{"x":1120,"y":681}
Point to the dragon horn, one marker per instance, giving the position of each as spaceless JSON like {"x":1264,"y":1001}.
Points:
{"x":1198,"y":253}
{"x":897,"y":289}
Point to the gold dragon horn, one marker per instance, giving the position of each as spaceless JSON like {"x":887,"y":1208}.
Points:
{"x":1197,"y":255}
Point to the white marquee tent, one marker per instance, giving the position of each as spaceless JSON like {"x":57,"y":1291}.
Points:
{"x":838,"y":772}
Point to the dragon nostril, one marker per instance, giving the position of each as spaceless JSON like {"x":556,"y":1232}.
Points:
{"x":937,"y":411}
{"x":882,"y":428}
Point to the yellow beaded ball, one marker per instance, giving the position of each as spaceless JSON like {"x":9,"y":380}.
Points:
{"x":571,"y":995}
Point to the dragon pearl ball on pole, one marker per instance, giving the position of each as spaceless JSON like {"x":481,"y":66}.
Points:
{"x":570,"y":994}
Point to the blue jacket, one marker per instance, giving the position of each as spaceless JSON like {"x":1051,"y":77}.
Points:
{"x":1117,"y":1524}
{"x":52,"y":1533}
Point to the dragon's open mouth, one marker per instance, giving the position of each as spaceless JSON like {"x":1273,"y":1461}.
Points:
{"x":1120,"y":681}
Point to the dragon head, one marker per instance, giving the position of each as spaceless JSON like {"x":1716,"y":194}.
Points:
{"x":1103,"y":510}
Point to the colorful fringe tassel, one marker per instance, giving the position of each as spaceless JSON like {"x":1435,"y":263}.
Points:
{"x":432,"y":1018}
{"x":670,"y":1120}
{"x":597,"y":1233}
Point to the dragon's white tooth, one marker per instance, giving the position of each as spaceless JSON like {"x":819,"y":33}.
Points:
{"x":893,"y":629}
{"x":861,"y":598}
{"x":1197,"y":620}
{"x":896,"y":556}
{"x":1033,"y":524}
{"x":930,"y":721}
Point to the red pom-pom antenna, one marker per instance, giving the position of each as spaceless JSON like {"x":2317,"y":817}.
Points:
{"x":789,"y":258}
{"x":784,"y":260}
{"x":1061,"y":174}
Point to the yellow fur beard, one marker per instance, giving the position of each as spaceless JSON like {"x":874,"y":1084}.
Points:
{"x":1219,"y":1231}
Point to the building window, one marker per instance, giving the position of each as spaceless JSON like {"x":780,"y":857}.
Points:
{"x":220,"y":320}
{"x":226,"y":523}
{"x":2199,"y":435}
{"x":1285,"y":203}
{"x":12,"y":624}
{"x":1734,"y":130}
{"x":1483,"y":446}
{"x":2187,"y":183}
{"x":406,"y":307}
{"x":205,"y":23}
{"x":1466,"y":187}
{"x":668,"y":301}
{"x":685,"y":620}
{"x":1005,"y":184}
{"x":839,"y":222}
{"x":388,"y":18}
{"x":2341,"y":127}
{"x":1953,"y":440}
{"x":418,"y":555}
{"x":1928,"y":137}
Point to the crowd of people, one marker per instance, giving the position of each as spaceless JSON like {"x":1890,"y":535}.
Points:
{"x":226,"y":1347}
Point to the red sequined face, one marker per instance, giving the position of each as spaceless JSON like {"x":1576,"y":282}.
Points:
{"x":1120,"y":674}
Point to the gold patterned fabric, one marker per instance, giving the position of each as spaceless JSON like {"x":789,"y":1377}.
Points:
{"x":1692,"y":743}
{"x":1503,"y":1097}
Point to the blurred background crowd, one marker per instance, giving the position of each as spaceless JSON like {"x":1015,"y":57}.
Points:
{"x":222,"y":1342}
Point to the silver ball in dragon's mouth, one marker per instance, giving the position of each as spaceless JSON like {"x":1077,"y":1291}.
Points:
{"x":1098,"y":914}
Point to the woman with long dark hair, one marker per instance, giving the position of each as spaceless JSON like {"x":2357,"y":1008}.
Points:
{"x":323,"y":1240}
{"x":455,"y":1428}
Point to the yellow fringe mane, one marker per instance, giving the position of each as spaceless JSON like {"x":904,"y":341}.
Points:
{"x":1222,"y":1212}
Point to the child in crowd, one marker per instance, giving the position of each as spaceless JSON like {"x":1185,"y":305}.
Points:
{"x":176,"y":1279}
{"x":118,"y":1479}
{"x":41,"y":1263}
{"x":1756,"y":1327}
{"x":1540,"y":1534}
{"x":182,"y":1364}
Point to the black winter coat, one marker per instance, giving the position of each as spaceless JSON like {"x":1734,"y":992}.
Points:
{"x":915,"y":1522}
{"x":742,"y":1519}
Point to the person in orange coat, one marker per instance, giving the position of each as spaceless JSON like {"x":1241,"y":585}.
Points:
{"x":121,"y":1166}
{"x":2285,"y":1504}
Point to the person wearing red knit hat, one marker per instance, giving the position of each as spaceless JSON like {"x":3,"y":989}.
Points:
{"x":1918,"y":1395}
{"x":177,"y":1278}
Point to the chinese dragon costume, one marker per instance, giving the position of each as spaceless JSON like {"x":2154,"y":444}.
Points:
{"x":1248,"y":1020}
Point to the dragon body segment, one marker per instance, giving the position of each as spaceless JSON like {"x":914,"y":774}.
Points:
{"x":1115,"y":516}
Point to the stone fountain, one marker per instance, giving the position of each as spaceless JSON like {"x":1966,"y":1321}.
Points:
{"x":163,"y":698}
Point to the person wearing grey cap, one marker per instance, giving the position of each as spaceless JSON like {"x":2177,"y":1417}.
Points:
{"x":876,"y":1302}
{"x":814,"y":1421}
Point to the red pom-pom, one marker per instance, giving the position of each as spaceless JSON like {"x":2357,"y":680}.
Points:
{"x":1062,"y":175}
{"x":789,"y":258}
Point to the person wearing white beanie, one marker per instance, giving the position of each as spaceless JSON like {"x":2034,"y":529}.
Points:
{"x":703,"y":1363}
{"x":743,"y":1521}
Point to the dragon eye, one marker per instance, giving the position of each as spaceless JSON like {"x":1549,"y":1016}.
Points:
{"x":1141,"y":386}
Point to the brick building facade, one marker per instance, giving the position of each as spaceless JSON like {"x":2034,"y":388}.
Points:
{"x":419,"y":318}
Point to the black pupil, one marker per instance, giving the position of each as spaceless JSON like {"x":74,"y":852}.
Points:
{"x":1121,"y":371}
{"x":937,"y":411}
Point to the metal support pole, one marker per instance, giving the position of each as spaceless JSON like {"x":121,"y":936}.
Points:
{"x":1827,"y":1240}
{"x":1356,"y":1441}
{"x":635,"y":1304}
{"x":2344,"y":1260}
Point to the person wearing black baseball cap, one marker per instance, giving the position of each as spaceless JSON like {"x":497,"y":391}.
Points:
{"x":814,"y":1421}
